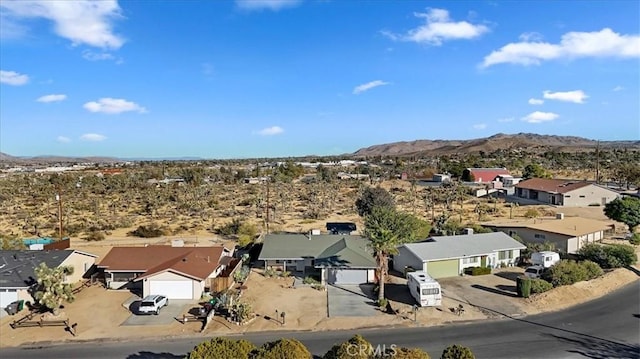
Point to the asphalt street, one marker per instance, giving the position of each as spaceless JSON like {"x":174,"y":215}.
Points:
{"x":608,"y":327}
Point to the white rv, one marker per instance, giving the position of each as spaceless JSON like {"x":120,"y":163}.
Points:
{"x":424,"y":289}
{"x":545,"y":259}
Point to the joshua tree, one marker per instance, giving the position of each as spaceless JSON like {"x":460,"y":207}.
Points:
{"x":51,"y":290}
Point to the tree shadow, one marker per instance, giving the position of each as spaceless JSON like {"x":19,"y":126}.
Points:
{"x":152,"y":355}
{"x":495,"y":290}
{"x":634,"y":270}
{"x":134,"y":307}
{"x":596,"y":348}
{"x":398,"y":293}
{"x":507,"y":288}
{"x":508,"y":275}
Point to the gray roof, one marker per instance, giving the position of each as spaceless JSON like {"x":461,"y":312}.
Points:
{"x":17,"y":267}
{"x":327,"y":249}
{"x":449,"y":247}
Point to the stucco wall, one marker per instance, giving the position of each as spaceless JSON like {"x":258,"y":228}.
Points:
{"x":81,"y":263}
{"x":529,"y":236}
{"x":588,"y":195}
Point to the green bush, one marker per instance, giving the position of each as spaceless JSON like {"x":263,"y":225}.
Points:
{"x":635,"y":239}
{"x":355,"y":348}
{"x":406,"y":353}
{"x":94,"y":236}
{"x":283,"y":348}
{"x":478,"y":270}
{"x":540,"y":286}
{"x":523,"y":287}
{"x":149,"y":231}
{"x":310,"y":280}
{"x":568,"y":272}
{"x":382,"y":303}
{"x":222,"y":348}
{"x":457,"y":352}
{"x":609,"y":256}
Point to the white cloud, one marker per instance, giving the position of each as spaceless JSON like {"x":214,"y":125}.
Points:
{"x":113,"y":106}
{"x":97,"y":56}
{"x":480,"y":126}
{"x":577,"y":96}
{"x":617,"y":88}
{"x":63,"y":139}
{"x":603,"y":43}
{"x":93,"y":137}
{"x":271,"y":131}
{"x":530,"y":36}
{"x":368,"y":86}
{"x":273,"y":5}
{"x":535,"y":101}
{"x":539,"y":117}
{"x":13,"y":78}
{"x":52,"y":98}
{"x":506,"y":119}
{"x":438,"y":28}
{"x":81,"y":21}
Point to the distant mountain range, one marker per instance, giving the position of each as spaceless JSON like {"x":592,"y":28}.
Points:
{"x":501,"y":141}
{"x":5,"y":158}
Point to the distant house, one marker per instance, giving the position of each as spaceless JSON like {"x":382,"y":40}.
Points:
{"x":448,"y":256}
{"x":176,"y":272}
{"x":483,"y":175}
{"x":357,"y":176}
{"x":567,"y":193}
{"x":339,"y":259}
{"x":342,"y":228}
{"x":441,"y":177}
{"x":567,"y":234}
{"x":17,"y":270}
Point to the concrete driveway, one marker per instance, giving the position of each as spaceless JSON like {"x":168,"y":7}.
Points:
{"x":351,"y":300}
{"x":167,"y":315}
{"x":495,"y":294}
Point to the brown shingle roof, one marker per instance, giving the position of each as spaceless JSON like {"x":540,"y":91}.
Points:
{"x":483,"y":175}
{"x":569,"y":226}
{"x":552,"y":185}
{"x":195,"y":262}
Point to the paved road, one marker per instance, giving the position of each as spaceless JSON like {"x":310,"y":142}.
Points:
{"x":608,"y":327}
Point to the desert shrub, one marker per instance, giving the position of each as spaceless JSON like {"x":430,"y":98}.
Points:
{"x":246,"y":234}
{"x":609,"y":256}
{"x":457,"y":352}
{"x":540,"y":286}
{"x":222,"y":348}
{"x":269,"y":272}
{"x":94,"y":236}
{"x":532,"y":213}
{"x":149,"y":231}
{"x":285,"y":274}
{"x":355,"y":348}
{"x":478,"y":270}
{"x":310,"y":280}
{"x":523,"y":287}
{"x":319,"y":287}
{"x":635,"y":239}
{"x":568,"y":272}
{"x":231,"y":228}
{"x":241,"y":274}
{"x":382,"y":303}
{"x":283,"y":348}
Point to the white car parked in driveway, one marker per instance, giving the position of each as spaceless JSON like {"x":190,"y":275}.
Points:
{"x":152,"y":304}
{"x":534,"y":272}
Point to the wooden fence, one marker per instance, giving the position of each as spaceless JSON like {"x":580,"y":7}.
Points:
{"x":225,"y":280}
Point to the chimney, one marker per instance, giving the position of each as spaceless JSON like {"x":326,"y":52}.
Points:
{"x":208,"y":259}
{"x":559,"y":215}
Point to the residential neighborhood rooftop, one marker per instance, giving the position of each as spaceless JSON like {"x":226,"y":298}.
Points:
{"x":195,"y":262}
{"x":17,"y":266}
{"x":571,"y":226}
{"x":468,"y":245}
{"x":552,"y":185}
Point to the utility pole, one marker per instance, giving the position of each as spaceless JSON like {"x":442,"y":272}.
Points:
{"x":59,"y":200}
{"x":598,"y":162}
{"x":267,"y":205}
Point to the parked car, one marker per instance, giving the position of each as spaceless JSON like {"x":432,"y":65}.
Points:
{"x":534,"y":272}
{"x":152,"y":304}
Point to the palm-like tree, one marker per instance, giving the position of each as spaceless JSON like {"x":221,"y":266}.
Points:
{"x":380,"y":228}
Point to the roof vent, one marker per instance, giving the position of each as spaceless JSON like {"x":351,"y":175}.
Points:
{"x":559,"y":215}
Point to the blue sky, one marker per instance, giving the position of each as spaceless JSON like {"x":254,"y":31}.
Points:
{"x":233,"y":79}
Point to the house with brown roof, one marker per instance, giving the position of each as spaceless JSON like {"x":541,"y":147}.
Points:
{"x":567,"y":234}
{"x":483,"y":175}
{"x":175,"y":272}
{"x":568,"y":193}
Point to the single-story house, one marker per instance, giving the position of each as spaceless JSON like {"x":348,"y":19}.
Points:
{"x":568,"y":234}
{"x":567,"y":193}
{"x":17,"y":270}
{"x":341,"y":259}
{"x":175,"y":272}
{"x":483,"y":175}
{"x":448,"y":256}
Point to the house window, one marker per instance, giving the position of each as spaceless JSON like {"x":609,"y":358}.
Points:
{"x":505,"y":255}
{"x":539,"y":236}
{"x":278,"y":261}
{"x":469,"y":260}
{"x":430,"y":291}
{"x":123,"y":276}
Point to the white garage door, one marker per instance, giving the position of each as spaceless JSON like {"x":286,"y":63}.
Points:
{"x":7,"y":298}
{"x":176,"y":289}
{"x":347,"y":276}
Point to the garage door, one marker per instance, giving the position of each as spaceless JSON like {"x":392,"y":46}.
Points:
{"x":443,"y":269}
{"x":347,"y":276}
{"x":177,"y":289}
{"x":7,"y":297}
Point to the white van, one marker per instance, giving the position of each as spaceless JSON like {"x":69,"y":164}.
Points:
{"x":545,"y":259}
{"x":424,"y":289}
